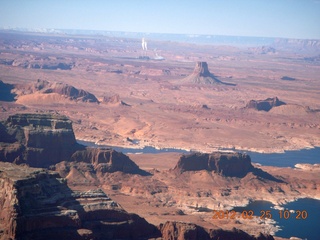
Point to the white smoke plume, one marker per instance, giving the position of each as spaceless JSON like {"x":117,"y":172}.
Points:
{"x":144,"y":44}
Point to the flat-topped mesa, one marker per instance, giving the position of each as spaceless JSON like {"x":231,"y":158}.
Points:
{"x":202,"y":75}
{"x":226,"y":164}
{"x":106,"y":160}
{"x":40,"y":120}
{"x":38,"y":140}
{"x":265,"y":105}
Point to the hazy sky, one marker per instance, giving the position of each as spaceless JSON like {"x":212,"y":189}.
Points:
{"x":266,"y":18}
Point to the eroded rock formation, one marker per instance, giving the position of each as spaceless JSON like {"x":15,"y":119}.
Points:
{"x":111,"y":98}
{"x":38,"y":140}
{"x":202,"y":75}
{"x":265,"y":105}
{"x":226,"y":164}
{"x":43,"y":140}
{"x":37,"y":204}
{"x":71,"y":92}
{"x":180,"y":230}
{"x":46,"y":63}
{"x":46,"y":87}
{"x":106,"y":160}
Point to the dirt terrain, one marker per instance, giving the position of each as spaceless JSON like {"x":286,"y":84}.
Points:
{"x":152,"y":102}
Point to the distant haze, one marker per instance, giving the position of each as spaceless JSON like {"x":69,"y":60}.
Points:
{"x":262,"y":18}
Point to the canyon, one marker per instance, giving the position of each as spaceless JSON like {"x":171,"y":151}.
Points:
{"x":66,"y":196}
{"x":86,"y":184}
{"x":209,"y":99}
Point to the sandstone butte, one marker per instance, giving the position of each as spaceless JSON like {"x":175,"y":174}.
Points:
{"x":265,"y":105}
{"x":202,"y":75}
{"x":37,"y":203}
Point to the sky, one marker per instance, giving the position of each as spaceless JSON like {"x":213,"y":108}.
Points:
{"x":262,"y":18}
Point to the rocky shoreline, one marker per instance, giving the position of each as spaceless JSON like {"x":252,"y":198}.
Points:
{"x":141,"y":146}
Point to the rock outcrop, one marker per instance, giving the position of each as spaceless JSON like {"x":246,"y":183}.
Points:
{"x":43,"y":140}
{"x":180,"y":230}
{"x":226,"y":164}
{"x":111,"y":98}
{"x":190,"y":231}
{"x":71,"y":92}
{"x":46,"y":87}
{"x":38,"y":204}
{"x":201,"y":75}
{"x":265,"y":105}
{"x":38,"y":140}
{"x":40,"y":64}
{"x":106,"y":160}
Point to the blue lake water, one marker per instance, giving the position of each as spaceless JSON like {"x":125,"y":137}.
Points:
{"x":308,"y":228}
{"x":294,"y":225}
{"x":287,"y":159}
{"x":134,"y":150}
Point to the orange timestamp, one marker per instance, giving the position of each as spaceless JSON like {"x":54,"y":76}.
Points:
{"x":264,"y":214}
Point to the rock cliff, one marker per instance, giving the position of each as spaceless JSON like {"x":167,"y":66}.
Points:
{"x":226,"y":164}
{"x":38,"y":204}
{"x":265,"y":105}
{"x":43,"y":140}
{"x":106,"y":160}
{"x":38,"y":140}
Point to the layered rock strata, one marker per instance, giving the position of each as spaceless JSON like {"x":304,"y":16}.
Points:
{"x":226,"y":164}
{"x":38,"y":140}
{"x":44,"y":140}
{"x":106,"y":160}
{"x":38,"y":204}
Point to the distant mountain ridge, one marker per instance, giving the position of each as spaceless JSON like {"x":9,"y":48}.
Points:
{"x":189,"y":38}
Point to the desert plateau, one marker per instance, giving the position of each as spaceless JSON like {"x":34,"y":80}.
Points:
{"x":78,"y":111}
